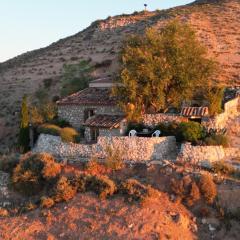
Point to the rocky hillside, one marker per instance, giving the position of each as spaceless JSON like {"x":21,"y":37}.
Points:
{"x":217,"y":23}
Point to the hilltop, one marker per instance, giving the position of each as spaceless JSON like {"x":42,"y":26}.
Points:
{"x":216,"y":22}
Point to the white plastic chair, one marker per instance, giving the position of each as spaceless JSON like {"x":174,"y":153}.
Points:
{"x":157,"y":133}
{"x":132,"y":133}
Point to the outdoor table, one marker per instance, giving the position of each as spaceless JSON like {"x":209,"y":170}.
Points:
{"x":145,"y":134}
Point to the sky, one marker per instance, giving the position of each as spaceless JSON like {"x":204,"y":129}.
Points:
{"x":31,"y":24}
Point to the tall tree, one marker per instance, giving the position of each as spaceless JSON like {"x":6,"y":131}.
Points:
{"x":161,"y":69}
{"x":24,"y":126}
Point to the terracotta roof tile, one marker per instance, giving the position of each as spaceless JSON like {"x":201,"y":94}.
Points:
{"x":90,"y":96}
{"x":194,"y":111}
{"x":104,"y":121}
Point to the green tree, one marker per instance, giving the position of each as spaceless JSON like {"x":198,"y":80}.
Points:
{"x":75,"y":77}
{"x":24,"y":126}
{"x":161,"y":69}
{"x":214,"y":96}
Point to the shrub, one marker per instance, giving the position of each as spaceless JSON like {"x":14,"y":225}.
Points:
{"x":35,"y":171}
{"x":136,"y":191}
{"x":186,"y":188}
{"x":94,"y":167}
{"x":168,"y":129}
{"x":190,"y":132}
{"x":47,"y":202}
{"x":223,"y":168}
{"x":114,"y":158}
{"x":217,"y":140}
{"x":64,"y":191}
{"x":68,"y":134}
{"x":208,"y":188}
{"x":60,"y":123}
{"x":50,"y":129}
{"x":80,"y":182}
{"x":102,"y":185}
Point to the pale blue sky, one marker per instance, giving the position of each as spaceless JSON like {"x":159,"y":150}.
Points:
{"x":30,"y":24}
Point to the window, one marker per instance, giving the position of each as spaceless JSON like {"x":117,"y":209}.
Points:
{"x":88,"y":113}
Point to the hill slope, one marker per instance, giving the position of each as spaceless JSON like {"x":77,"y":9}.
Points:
{"x":217,"y":23}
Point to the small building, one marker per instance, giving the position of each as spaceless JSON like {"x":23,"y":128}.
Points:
{"x":95,"y":109}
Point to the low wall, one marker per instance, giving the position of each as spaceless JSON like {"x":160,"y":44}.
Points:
{"x":154,"y":119}
{"x":205,"y":155}
{"x":132,"y":149}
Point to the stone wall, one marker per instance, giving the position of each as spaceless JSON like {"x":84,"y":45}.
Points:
{"x":220,"y":120}
{"x":132,"y":149}
{"x":205,"y":155}
{"x":154,"y":119}
{"x":74,"y":114}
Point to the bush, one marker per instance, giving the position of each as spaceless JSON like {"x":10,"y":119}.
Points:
{"x":68,"y":134}
{"x":136,"y":191}
{"x":114,"y":158}
{"x":102,"y":185}
{"x":208,"y":188}
{"x":187,"y":189}
{"x":34,"y":172}
{"x":80,"y":182}
{"x":50,"y":129}
{"x":217,"y":140}
{"x":93,"y":167}
{"x":223,"y":168}
{"x":168,"y":129}
{"x":60,"y":123}
{"x":64,"y":191}
{"x":47,"y":202}
{"x":190,"y":132}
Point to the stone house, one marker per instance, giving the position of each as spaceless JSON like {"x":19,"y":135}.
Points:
{"x":95,"y":109}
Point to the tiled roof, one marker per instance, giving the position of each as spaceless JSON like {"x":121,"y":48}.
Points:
{"x":90,"y":96}
{"x":194,"y":111}
{"x":104,"y":121}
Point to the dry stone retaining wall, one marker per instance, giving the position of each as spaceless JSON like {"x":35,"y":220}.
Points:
{"x":205,"y":155}
{"x":131,"y":149}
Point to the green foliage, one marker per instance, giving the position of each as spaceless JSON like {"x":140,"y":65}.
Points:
{"x":190,"y":132}
{"x":208,"y":188}
{"x":34,"y":172}
{"x":214,"y":96}
{"x":50,"y":129}
{"x":75,"y":77}
{"x":24,"y":126}
{"x":68,"y":134}
{"x":161,"y":70}
{"x":102,"y":185}
{"x":168,"y":129}
{"x":217,"y":140}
